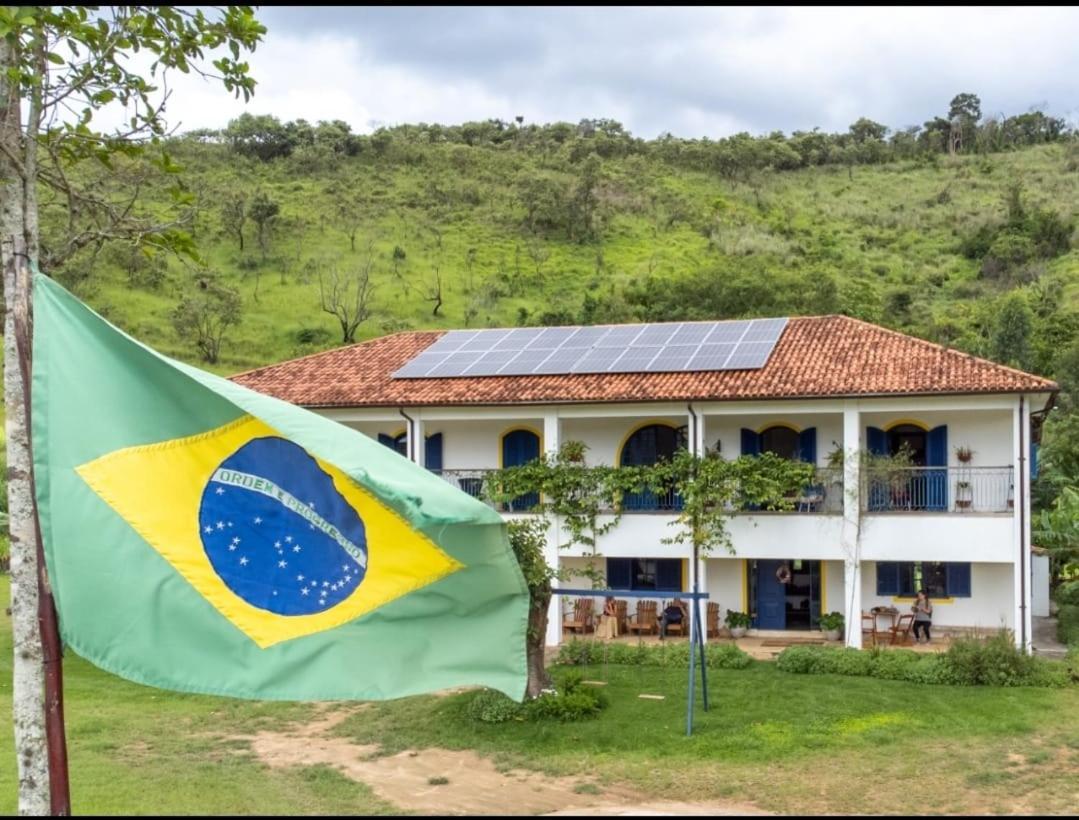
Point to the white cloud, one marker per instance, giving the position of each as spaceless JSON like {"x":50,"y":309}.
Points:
{"x":691,"y":71}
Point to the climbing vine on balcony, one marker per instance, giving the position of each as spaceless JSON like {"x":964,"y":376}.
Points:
{"x":589,"y":501}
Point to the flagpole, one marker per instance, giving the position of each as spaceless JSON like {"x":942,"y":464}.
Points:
{"x":21,"y":305}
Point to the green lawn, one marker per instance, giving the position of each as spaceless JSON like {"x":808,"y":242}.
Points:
{"x":788,"y":743}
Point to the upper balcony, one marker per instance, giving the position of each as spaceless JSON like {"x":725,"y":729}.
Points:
{"x":939,"y":489}
{"x":823,"y":496}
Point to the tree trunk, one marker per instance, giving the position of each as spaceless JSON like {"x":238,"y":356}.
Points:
{"x":538,"y":679}
{"x":18,"y":244}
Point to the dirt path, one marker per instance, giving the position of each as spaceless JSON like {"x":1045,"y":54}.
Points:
{"x":472,"y":783}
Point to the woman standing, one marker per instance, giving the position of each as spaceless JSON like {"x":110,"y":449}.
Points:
{"x":923,"y":614}
{"x":608,"y":621}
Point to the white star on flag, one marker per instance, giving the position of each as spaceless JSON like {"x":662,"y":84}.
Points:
{"x":299,"y":577}
{"x":243,"y":561}
{"x":288,"y":538}
{"x":221,"y":525}
{"x":208,"y":529}
{"x":303,"y":590}
{"x":258,"y":520}
{"x":220,"y":490}
{"x":296,"y":548}
{"x":282,"y":564}
{"x":277,"y":544}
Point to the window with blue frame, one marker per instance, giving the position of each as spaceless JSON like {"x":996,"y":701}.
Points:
{"x":647,"y":446}
{"x":659,"y":574}
{"x":940,"y":579}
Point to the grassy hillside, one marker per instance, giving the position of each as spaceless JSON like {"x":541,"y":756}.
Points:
{"x":881,"y":242}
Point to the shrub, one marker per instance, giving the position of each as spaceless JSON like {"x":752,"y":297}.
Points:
{"x":831,"y":620}
{"x":996,"y":661}
{"x":1068,"y":624}
{"x":1068,"y":593}
{"x":992,"y":662}
{"x":736,"y":619}
{"x":490,"y":706}
{"x":670,"y":655}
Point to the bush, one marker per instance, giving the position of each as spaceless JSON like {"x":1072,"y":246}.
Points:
{"x":996,"y":661}
{"x":992,"y":662}
{"x":491,"y":706}
{"x":1068,"y":624}
{"x":570,"y":701}
{"x":1068,"y":593}
{"x":669,"y":655}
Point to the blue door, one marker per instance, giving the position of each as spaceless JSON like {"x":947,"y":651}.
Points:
{"x":520,"y":447}
{"x":771,"y":597}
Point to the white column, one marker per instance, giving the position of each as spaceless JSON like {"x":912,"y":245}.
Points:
{"x":417,"y":448}
{"x":1025,"y":534}
{"x":702,"y":574}
{"x":552,"y":440}
{"x":1020,"y":522}
{"x":851,"y":532}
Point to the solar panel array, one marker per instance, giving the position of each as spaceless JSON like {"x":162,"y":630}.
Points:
{"x":656,"y":348}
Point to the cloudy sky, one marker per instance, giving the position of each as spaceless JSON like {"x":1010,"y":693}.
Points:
{"x":691,"y":71}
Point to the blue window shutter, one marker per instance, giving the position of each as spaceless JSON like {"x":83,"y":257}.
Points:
{"x":619,"y":573}
{"x":958,"y":580}
{"x":887,"y":578}
{"x":1033,"y":461}
{"x":669,"y":574}
{"x":386,"y":441}
{"x":936,"y":481}
{"x":433,"y":452}
{"x":751,"y":442}
{"x":876,"y":441}
{"x":519,"y":447}
{"x":936,"y":447}
{"x":400,"y":444}
{"x":807,"y":445}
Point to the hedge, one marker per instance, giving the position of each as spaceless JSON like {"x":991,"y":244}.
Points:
{"x":594,"y":653}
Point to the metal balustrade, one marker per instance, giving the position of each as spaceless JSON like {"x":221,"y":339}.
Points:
{"x":938,"y":489}
{"x":823,"y":495}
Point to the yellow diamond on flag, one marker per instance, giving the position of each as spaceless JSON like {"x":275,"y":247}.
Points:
{"x":281,"y":543}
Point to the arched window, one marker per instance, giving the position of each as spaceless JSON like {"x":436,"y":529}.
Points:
{"x":783,"y":441}
{"x":520,"y":447}
{"x":911,"y":436}
{"x":650,"y":444}
{"x":646,"y":446}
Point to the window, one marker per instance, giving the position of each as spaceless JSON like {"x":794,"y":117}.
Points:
{"x":939,"y":579}
{"x":783,"y":441}
{"x":659,"y":574}
{"x":910,"y":437}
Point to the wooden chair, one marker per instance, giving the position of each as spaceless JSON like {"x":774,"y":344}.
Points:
{"x":712,"y":620}
{"x":869,"y":627}
{"x":645,"y":618}
{"x":581,"y":619}
{"x":901,"y":631}
{"x":683,"y":627}
{"x":622,"y":616}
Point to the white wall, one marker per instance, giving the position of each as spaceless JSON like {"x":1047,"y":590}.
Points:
{"x":938,"y":537}
{"x":725,"y":585}
{"x":1039,"y":586}
{"x":833,"y":592}
{"x":991,"y":603}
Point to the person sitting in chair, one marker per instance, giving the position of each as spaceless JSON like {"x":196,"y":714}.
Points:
{"x":673,"y":614}
{"x":608,"y":622}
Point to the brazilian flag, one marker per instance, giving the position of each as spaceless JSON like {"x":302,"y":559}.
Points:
{"x":203,"y":537}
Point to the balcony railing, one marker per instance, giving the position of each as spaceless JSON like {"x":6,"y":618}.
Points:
{"x":823,"y":495}
{"x":938,"y":489}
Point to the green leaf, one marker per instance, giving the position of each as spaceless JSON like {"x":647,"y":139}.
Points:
{"x":55,"y":58}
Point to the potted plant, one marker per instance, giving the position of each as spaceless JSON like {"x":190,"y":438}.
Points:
{"x":737,"y":623}
{"x":963,"y":495}
{"x":964,"y":454}
{"x":831,"y":625}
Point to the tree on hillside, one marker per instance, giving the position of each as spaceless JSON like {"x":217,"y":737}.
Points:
{"x":261,"y":137}
{"x":1009,"y":342}
{"x":205,"y":313}
{"x":263,"y":212}
{"x":964,"y":111}
{"x":348,"y":296}
{"x":59,"y":66}
{"x":234,"y":215}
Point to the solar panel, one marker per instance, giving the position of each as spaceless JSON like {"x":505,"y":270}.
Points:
{"x":711,"y":357}
{"x":620,"y":336}
{"x":727,"y":332}
{"x":552,"y":337}
{"x":647,"y":348}
{"x":490,"y":363}
{"x":597,"y":360}
{"x":672,"y":358}
{"x":635,"y":359}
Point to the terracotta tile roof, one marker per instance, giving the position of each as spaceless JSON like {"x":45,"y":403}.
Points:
{"x":817,"y":357}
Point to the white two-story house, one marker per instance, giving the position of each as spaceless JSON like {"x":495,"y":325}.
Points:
{"x":818,"y":389}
